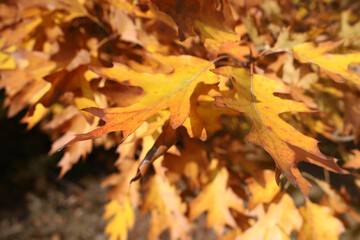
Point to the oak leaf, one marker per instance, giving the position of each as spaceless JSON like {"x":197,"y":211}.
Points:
{"x":319,"y":223}
{"x":186,"y":13}
{"x":63,"y":82}
{"x":214,"y":38}
{"x":263,"y":189}
{"x":122,"y":218}
{"x":217,"y":199}
{"x":166,"y":208}
{"x":162,"y":91}
{"x":31,"y":119}
{"x":278,"y":222}
{"x":212,"y":115}
{"x":120,"y":182}
{"x":337,"y":66}
{"x":120,"y":94}
{"x":189,"y":163}
{"x":25,"y":84}
{"x":351,"y":32}
{"x":72,"y":122}
{"x":352,"y":112}
{"x":164,"y":141}
{"x":74,"y":9}
{"x":16,"y":35}
{"x":354,"y":162}
{"x":254,"y":95}
{"x":336,"y":201}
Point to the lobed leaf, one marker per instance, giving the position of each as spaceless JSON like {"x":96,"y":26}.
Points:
{"x":162,"y":91}
{"x":254,"y":95}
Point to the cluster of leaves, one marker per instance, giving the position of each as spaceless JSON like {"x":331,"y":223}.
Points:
{"x":227,"y":96}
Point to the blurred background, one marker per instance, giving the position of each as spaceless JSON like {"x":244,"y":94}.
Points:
{"x":34,"y":203}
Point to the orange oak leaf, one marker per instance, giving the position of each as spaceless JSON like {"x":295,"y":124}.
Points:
{"x":236,"y":50}
{"x":162,"y":91}
{"x":166,"y":208}
{"x":254,"y":95}
{"x":25,"y":84}
{"x":337,"y":66}
{"x":278,"y":222}
{"x":319,"y":223}
{"x":20,"y":30}
{"x":354,"y":162}
{"x":217,"y":199}
{"x":29,"y":95}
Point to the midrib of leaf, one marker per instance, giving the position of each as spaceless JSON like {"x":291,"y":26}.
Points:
{"x":186,"y":84}
{"x":252,"y":91}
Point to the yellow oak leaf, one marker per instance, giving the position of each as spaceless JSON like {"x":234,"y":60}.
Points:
{"x":213,"y":37}
{"x":217,"y":199}
{"x":7,"y":61}
{"x":37,"y":115}
{"x":122,"y":218}
{"x":172,"y":91}
{"x":319,"y":223}
{"x":263,"y":188}
{"x":254,"y":95}
{"x":337,"y":66}
{"x":121,"y":183}
{"x":167,"y":210}
{"x":278,"y":222}
{"x":349,"y":31}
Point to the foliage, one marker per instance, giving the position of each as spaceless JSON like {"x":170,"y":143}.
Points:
{"x":229,"y":97}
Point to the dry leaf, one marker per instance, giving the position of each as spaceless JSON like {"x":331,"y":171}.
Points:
{"x":278,"y":222}
{"x":338,"y":66}
{"x":122,"y":219}
{"x":319,"y":223}
{"x":166,"y":209}
{"x":171,"y":91}
{"x":217,"y":199}
{"x":254,"y":95}
{"x":263,"y":188}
